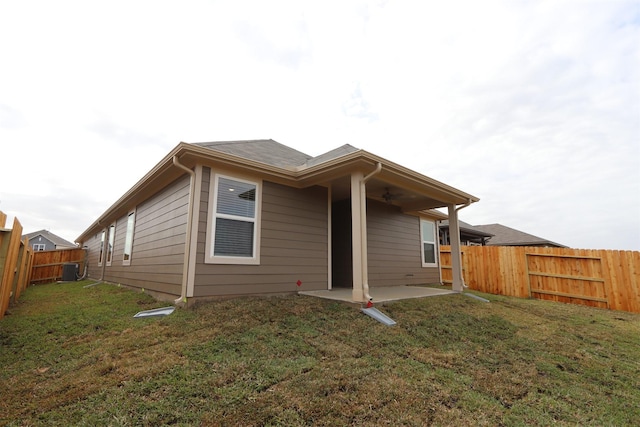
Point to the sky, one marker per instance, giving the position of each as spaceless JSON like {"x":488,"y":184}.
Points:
{"x":532,"y":106}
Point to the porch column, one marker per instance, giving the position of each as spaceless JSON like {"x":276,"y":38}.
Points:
{"x":456,"y":257}
{"x":358,"y":238}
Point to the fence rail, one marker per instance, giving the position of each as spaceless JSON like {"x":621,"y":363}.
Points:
{"x":16,"y":258}
{"x":48,"y":265}
{"x":599,"y":278}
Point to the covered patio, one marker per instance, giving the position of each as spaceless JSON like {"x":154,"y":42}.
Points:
{"x":362,"y":179}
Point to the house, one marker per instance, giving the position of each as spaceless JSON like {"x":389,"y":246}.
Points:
{"x":44,"y":240}
{"x":469,"y":235}
{"x":506,"y":236}
{"x":256,"y":217}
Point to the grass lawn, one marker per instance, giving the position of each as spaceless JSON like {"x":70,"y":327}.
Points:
{"x":75,"y":356}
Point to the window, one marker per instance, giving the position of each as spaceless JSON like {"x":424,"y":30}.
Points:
{"x":111,"y":239}
{"x":102,"y":235}
{"x":38,"y":246}
{"x":128,"y":240}
{"x":429,"y":247}
{"x":232,"y":237}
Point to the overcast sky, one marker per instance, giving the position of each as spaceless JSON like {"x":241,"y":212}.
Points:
{"x":532,"y":106}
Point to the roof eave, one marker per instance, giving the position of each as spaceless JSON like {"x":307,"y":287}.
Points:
{"x":366,"y":159}
{"x":145,"y":182}
{"x":190,"y":155}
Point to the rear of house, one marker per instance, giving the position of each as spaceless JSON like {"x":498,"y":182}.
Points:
{"x":256,"y":217}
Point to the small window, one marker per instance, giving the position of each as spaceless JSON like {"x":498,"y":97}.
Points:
{"x":39,"y":246}
{"x":100,"y":257}
{"x":429,"y":248}
{"x":111,"y":240}
{"x":128,"y":240}
{"x":233,"y":234}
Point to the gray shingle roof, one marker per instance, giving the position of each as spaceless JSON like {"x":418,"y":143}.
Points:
{"x":330,"y":155}
{"x":506,"y":236}
{"x":466,"y":227}
{"x":56,"y":240}
{"x":273,"y":153}
{"x":265,"y":151}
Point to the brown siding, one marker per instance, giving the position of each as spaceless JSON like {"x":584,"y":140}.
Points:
{"x":158,"y":242}
{"x":293,"y":245}
{"x":393,"y":242}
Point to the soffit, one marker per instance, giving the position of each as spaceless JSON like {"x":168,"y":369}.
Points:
{"x":410,"y":190}
{"x":409,"y":186}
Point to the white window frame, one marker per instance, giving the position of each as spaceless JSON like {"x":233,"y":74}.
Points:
{"x":128,"y":237}
{"x":111,"y":241}
{"x":423,"y":223}
{"x":101,"y":254}
{"x":39,"y":246}
{"x":210,"y":258}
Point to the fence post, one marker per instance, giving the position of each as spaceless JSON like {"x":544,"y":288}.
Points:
{"x":23,"y":269}
{"x":598,"y":278}
{"x":526,"y":265}
{"x":9,"y":252}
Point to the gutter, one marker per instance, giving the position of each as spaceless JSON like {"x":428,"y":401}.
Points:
{"x":363,"y":233}
{"x":469,"y":201}
{"x":187,"y":244}
{"x":294,"y":178}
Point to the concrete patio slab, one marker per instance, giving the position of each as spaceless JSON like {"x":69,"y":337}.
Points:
{"x":380,"y":294}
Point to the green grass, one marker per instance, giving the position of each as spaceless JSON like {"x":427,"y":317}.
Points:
{"x":75,"y":356}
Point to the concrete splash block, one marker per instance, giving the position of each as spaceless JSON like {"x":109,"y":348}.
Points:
{"x":379,"y":316}
{"x":164,"y":311}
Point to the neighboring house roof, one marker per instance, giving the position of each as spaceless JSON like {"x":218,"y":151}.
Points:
{"x":467,"y":228}
{"x":56,"y":240}
{"x":411,"y":191}
{"x":506,"y":236}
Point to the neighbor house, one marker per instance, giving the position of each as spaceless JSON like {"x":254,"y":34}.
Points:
{"x":469,"y":235}
{"x":507,"y":236}
{"x":256,"y":217}
{"x":44,"y":240}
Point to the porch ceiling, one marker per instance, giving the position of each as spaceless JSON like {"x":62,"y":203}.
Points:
{"x":408,"y":199}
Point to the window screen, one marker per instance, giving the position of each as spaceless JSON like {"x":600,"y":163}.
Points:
{"x":128,"y":240}
{"x":235,"y":218}
{"x":111,"y":240}
{"x":429,"y":255}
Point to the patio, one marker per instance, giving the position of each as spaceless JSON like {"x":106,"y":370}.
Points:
{"x":381,"y":294}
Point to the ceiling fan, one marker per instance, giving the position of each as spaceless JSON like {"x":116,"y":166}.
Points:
{"x":388,"y":197}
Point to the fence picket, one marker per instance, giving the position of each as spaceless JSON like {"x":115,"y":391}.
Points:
{"x":10,"y":241}
{"x":599,"y":278}
{"x":48,"y":265}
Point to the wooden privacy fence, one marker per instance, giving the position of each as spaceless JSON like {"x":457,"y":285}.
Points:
{"x":16,"y":258}
{"x":598,"y":278}
{"x":48,"y":265}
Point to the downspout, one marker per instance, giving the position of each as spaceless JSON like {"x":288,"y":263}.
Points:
{"x":363,"y":232}
{"x":464,"y":206}
{"x":458,"y":255}
{"x":464,"y":285}
{"x":187,"y":245}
